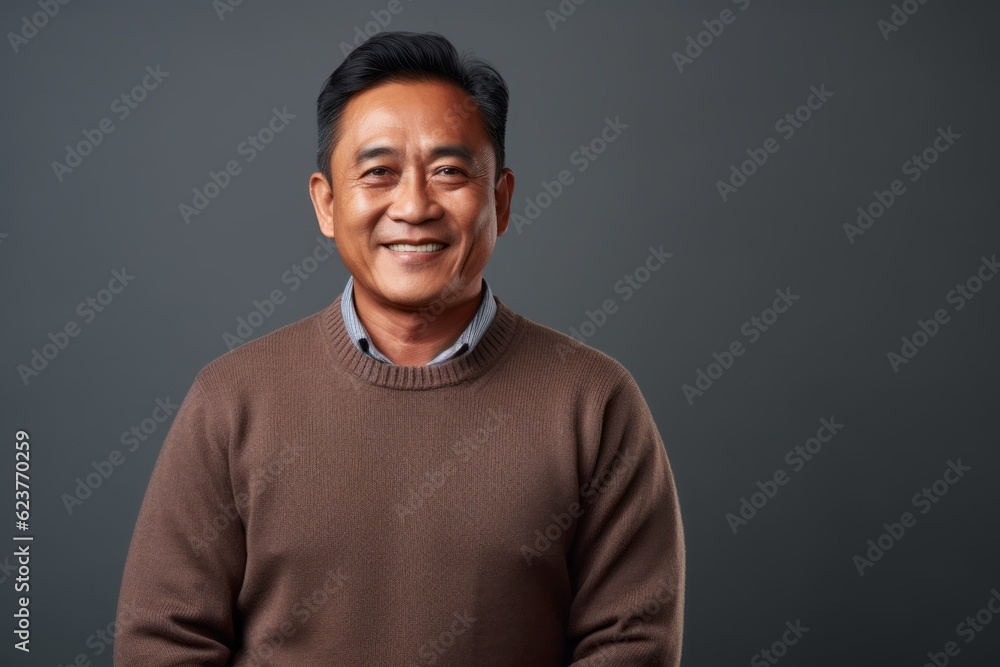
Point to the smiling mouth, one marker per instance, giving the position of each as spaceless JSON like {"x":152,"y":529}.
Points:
{"x":426,"y":247}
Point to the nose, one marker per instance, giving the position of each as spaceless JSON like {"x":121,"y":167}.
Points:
{"x":414,"y":201}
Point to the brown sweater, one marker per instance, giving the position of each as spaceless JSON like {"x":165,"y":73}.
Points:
{"x":314,"y":506}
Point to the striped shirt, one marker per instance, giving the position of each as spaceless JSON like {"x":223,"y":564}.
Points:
{"x":473,"y":333}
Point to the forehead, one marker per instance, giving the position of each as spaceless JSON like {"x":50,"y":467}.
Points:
{"x":429,"y":112}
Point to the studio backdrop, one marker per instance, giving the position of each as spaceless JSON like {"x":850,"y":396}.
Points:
{"x":779,"y":216}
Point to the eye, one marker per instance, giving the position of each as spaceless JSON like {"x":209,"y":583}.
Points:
{"x":454,"y":171}
{"x":376,"y":169}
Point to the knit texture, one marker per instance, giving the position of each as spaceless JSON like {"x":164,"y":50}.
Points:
{"x":311,"y":505}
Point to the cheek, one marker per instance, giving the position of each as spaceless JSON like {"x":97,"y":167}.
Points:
{"x":471,"y":208}
{"x":359,"y":209}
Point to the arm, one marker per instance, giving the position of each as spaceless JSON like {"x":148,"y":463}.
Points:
{"x":627,"y":562}
{"x":187,"y":555}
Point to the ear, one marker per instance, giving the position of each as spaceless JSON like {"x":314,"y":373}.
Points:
{"x":503,"y":192}
{"x":321,"y":193}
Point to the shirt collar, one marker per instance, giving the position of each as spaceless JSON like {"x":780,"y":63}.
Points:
{"x":466,"y":341}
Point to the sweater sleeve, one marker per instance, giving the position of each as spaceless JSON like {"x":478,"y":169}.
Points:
{"x":627,"y":560}
{"x":186,"y":560}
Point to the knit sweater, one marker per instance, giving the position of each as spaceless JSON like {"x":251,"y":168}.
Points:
{"x":311,"y":505}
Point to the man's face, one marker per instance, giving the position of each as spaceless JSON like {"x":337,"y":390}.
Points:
{"x":413,"y":166}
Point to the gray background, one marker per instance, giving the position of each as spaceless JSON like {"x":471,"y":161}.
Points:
{"x":825,"y":357}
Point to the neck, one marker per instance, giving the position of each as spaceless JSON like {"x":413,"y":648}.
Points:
{"x":414,"y":337}
{"x":361,"y":370}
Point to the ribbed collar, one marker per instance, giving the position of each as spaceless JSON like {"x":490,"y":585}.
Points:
{"x":494,"y":343}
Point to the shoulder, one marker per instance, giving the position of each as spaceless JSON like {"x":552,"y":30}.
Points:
{"x":268,"y":361}
{"x":553,"y":354}
{"x":597,"y":392}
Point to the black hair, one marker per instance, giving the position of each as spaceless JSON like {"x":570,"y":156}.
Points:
{"x":410,"y":56}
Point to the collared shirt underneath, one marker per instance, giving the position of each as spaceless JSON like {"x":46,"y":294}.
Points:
{"x":466,"y":341}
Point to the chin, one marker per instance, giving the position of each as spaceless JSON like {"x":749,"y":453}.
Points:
{"x":409,"y":296}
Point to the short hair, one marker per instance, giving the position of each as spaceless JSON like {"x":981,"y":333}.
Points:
{"x":410,"y":57}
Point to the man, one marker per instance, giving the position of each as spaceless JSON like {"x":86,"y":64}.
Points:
{"x":416,"y":474}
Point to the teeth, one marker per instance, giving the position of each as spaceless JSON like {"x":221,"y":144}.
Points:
{"x":427,"y":247}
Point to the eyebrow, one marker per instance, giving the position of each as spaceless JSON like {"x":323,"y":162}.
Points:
{"x":460,"y":151}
